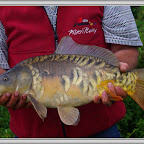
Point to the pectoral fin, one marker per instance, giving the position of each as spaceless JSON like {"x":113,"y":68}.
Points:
{"x":68,"y":115}
{"x":39,"y":107}
{"x":112,"y":96}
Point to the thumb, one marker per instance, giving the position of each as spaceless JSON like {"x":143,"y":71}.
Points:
{"x":124,"y":67}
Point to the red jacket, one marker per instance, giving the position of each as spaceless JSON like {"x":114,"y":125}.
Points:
{"x":30,"y":34}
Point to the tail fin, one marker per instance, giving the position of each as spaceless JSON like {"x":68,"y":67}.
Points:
{"x":138,"y":94}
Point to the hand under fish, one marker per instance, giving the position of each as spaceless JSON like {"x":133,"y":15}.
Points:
{"x":105,"y":99}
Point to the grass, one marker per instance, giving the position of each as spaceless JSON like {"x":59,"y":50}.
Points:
{"x":5,"y":131}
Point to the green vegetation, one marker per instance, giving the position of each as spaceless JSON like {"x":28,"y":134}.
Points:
{"x":132,"y":126}
{"x":5,"y":132}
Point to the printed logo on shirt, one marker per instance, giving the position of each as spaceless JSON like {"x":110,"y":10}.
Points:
{"x":81,"y":21}
{"x":84,"y":30}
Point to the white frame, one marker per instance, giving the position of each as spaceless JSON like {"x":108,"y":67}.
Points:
{"x":70,"y":140}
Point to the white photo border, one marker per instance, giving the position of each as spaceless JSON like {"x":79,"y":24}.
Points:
{"x":71,"y":140}
{"x":73,"y":2}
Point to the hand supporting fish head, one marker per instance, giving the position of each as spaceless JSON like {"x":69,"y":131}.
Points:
{"x":17,"y":79}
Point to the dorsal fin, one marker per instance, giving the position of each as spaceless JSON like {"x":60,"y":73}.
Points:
{"x":68,"y":46}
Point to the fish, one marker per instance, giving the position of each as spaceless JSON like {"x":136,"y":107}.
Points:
{"x":71,"y":77}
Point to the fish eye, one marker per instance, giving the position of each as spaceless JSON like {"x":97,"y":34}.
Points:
{"x":5,"y":79}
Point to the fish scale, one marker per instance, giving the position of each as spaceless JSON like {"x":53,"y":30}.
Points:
{"x":78,"y":78}
{"x":101,"y":70}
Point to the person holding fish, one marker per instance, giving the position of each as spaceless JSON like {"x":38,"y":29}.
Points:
{"x":69,"y":69}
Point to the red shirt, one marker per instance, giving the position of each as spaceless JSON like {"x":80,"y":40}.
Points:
{"x":30,"y":34}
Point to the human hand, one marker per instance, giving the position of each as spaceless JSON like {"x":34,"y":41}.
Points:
{"x":105,"y":99}
{"x":14,"y":101}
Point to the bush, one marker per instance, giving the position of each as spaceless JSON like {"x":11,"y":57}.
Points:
{"x":132,"y":125}
{"x":5,"y":131}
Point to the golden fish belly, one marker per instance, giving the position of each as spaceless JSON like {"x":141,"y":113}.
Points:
{"x":55,"y":94}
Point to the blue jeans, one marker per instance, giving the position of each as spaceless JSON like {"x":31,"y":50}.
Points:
{"x":111,"y":132}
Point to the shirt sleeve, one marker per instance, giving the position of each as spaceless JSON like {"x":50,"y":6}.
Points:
{"x":119,"y":26}
{"x":3,"y":48}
